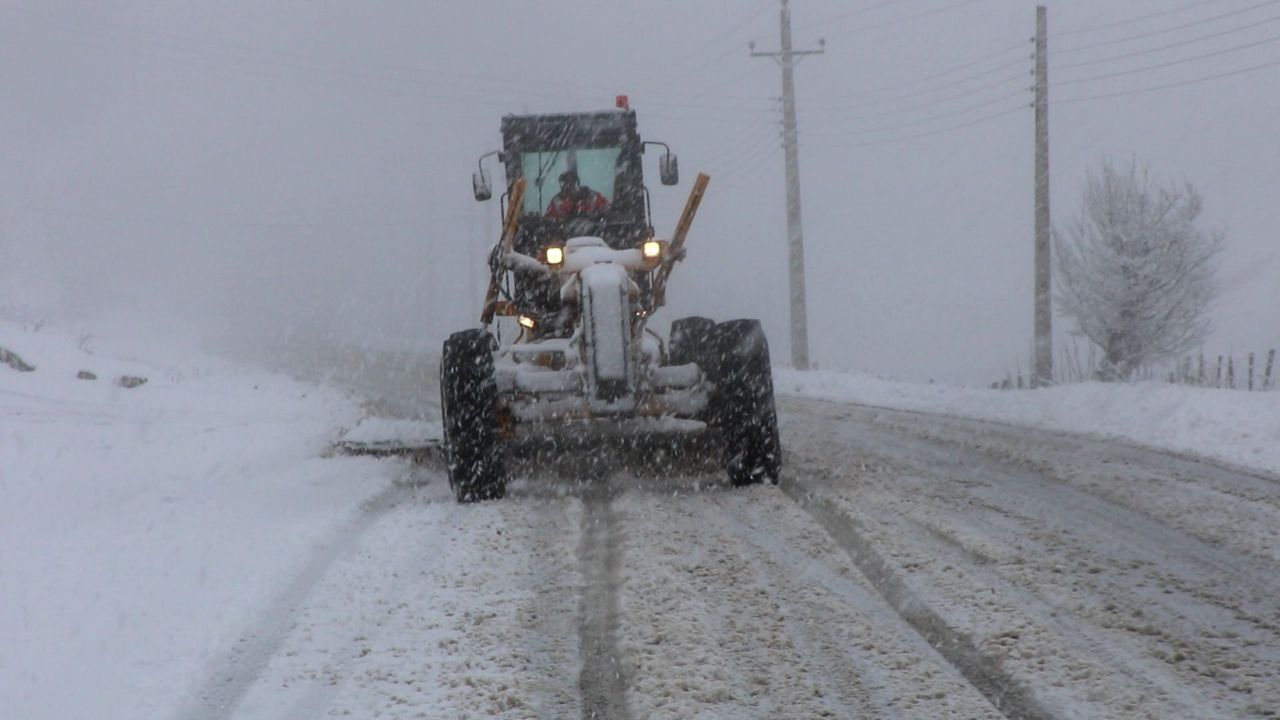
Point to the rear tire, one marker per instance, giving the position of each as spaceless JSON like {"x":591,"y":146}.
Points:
{"x":692,"y":342}
{"x":690,"y":339}
{"x":745,"y":411}
{"x":469,"y":409}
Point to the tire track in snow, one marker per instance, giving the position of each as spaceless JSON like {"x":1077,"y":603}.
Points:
{"x":809,"y":601}
{"x":1146,"y":615}
{"x":1147,"y":454}
{"x":1009,"y":696}
{"x":1231,"y":511}
{"x":239,"y":669}
{"x":601,"y":682}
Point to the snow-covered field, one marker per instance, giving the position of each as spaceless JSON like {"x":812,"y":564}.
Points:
{"x":143,"y":529}
{"x":1238,"y":427}
{"x":189,"y":549}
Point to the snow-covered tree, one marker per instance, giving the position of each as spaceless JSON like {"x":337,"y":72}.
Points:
{"x":1135,"y":271}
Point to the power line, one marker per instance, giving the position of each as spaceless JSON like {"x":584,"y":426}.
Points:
{"x":113,"y":216}
{"x":1131,"y":21}
{"x":727,"y":52}
{"x":741,"y":146}
{"x":909,"y":18}
{"x":1170,"y":46}
{"x":726,"y":118}
{"x":214,"y":54}
{"x":950,"y":85}
{"x":749,"y":71}
{"x":846,"y":16}
{"x":751,"y":160}
{"x":929,"y":91}
{"x":1171,"y":63}
{"x":732,"y":168}
{"x":927,"y":120}
{"x":723,"y":53}
{"x":726,"y":144}
{"x":1166,"y":31}
{"x":744,"y":144}
{"x":747,"y":172}
{"x":247,"y":61}
{"x":921,"y":106}
{"x":918,"y":136}
{"x":721,"y":108}
{"x":718,"y":38}
{"x":1155,"y":88}
{"x":958,"y":68}
{"x":767,"y":7}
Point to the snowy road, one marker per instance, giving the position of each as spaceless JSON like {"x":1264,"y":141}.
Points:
{"x":909,"y":566}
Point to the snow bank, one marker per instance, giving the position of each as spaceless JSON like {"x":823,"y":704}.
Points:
{"x":1231,"y":425}
{"x":143,"y":529}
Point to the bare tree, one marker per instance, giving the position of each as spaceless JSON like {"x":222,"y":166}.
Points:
{"x":1135,"y":271}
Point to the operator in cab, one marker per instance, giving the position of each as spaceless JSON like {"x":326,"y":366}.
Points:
{"x":575,"y":199}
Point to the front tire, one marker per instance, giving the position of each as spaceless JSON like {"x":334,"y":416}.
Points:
{"x":469,"y":409}
{"x":748,"y":419}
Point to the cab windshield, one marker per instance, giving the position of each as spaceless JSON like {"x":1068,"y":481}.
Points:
{"x":596,"y":167}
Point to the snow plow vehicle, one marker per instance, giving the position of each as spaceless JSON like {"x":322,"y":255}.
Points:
{"x":575,"y":279}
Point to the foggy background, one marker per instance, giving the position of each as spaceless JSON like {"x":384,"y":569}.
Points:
{"x":298,"y":173}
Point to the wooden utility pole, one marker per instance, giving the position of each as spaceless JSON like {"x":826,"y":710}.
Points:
{"x":787,"y":58}
{"x":1043,"y":373}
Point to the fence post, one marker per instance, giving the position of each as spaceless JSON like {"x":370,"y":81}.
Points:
{"x":1271,"y":360}
{"x":1218,"y":382}
{"x":1250,"y":372}
{"x":1201,"y":373}
{"x":1231,"y":372}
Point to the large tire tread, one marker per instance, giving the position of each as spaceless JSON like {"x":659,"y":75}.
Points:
{"x":742,"y":371}
{"x":469,"y":409}
{"x":690,"y":339}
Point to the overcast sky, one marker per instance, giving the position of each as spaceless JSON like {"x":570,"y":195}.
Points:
{"x":301,"y":170}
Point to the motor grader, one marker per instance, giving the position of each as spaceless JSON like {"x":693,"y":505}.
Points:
{"x":564,"y":349}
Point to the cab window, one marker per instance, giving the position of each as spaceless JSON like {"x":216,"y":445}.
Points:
{"x":597,"y":169}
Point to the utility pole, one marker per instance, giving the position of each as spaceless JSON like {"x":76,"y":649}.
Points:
{"x":787,"y":58}
{"x":1043,"y":375}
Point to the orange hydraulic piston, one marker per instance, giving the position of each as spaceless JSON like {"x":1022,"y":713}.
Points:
{"x":514,"y":202}
{"x":676,"y":250}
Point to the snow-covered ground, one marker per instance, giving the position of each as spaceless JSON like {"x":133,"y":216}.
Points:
{"x":143,"y":529}
{"x":189,"y":549}
{"x":1238,"y":427}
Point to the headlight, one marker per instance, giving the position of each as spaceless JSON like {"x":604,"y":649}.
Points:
{"x":652,"y":249}
{"x":527,"y":321}
{"x":555,"y":255}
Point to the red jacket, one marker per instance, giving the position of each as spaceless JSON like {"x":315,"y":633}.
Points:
{"x":587,"y":202}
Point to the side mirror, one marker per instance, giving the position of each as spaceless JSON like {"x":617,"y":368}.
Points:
{"x":668,"y":169}
{"x":480,"y":186}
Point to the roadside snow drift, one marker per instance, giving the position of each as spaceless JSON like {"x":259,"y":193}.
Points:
{"x":1231,"y":425}
{"x":142,"y":528}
